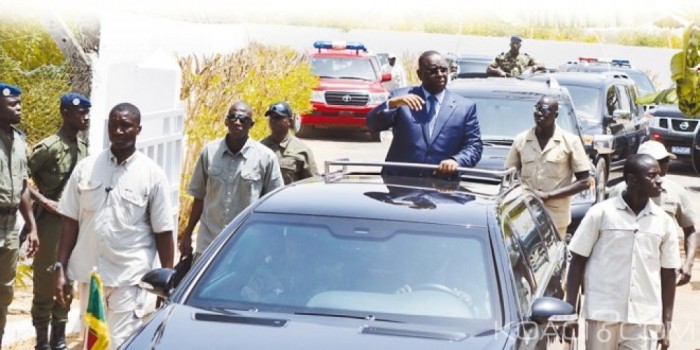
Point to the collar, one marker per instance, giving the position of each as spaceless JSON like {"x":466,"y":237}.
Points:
{"x":127,"y":163}
{"x":620,"y":204}
{"x":440,"y":96}
{"x":286,"y":140}
{"x":243,"y":152}
{"x":557,"y":136}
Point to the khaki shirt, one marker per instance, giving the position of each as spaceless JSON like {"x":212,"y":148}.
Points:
{"x":673,"y":200}
{"x":551,"y":168}
{"x":120,"y":208}
{"x":513,"y":65}
{"x":51,"y":161}
{"x":626,"y":252}
{"x":295,"y":158}
{"x":13,"y":174}
{"x":228,"y":183}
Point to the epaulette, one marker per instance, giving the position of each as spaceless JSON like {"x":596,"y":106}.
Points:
{"x":20,"y":132}
{"x":47,"y":142}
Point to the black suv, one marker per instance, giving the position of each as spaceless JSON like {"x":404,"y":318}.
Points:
{"x":613,"y":124}
{"x":505,"y":109}
{"x":675,"y":130}
{"x":594,"y":65}
{"x":354,"y":260}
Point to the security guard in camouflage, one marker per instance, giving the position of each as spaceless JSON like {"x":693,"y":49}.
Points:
{"x":513,"y":62}
{"x":14,"y":196}
{"x":295,"y":158}
{"x":51,"y":164}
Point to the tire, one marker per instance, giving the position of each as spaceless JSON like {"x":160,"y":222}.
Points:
{"x":301,"y":130}
{"x":601,"y":179}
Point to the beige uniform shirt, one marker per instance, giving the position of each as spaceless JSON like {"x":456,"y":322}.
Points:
{"x":296,"y":159}
{"x":13,"y":174}
{"x":673,"y":200}
{"x":622,"y":280}
{"x":228,"y":183}
{"x":119,"y":208}
{"x":551,"y":168}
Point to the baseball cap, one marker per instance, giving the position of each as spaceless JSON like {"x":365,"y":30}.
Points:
{"x":655,"y":149}
{"x":279,"y":109}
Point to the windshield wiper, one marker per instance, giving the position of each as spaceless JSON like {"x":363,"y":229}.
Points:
{"x":504,"y":142}
{"x":357,"y":317}
{"x":355,"y":78}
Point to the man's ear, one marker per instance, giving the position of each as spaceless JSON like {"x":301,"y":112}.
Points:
{"x":139,"y":132}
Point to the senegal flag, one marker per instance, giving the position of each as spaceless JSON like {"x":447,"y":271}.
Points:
{"x":97,"y":334}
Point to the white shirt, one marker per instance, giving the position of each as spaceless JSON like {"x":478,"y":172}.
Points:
{"x":622,"y":279}
{"x":119,"y":207}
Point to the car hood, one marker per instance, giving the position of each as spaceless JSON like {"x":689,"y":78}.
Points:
{"x":179,"y":326}
{"x":347,"y":84}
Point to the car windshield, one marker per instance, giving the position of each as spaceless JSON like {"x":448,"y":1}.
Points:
{"x":344,"y":68}
{"x":503,"y":118}
{"x":644,"y":84}
{"x":473,"y":66}
{"x":586,"y":100}
{"x":404,"y":272}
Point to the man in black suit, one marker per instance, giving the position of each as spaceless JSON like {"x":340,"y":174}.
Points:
{"x":430,"y":124}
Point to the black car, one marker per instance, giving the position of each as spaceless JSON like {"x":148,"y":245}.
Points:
{"x":675,"y":130}
{"x":613,"y":124}
{"x":505,"y":109}
{"x":594,"y":65}
{"x":352,"y":260}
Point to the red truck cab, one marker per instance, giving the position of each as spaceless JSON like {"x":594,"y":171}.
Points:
{"x":349,"y":88}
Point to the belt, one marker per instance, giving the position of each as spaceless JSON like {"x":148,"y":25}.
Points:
{"x":9,"y":210}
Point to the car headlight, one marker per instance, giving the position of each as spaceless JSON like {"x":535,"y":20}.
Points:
{"x":318,"y":96}
{"x":376,"y":98}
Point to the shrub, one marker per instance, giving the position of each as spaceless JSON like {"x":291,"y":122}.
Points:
{"x":257,"y":74}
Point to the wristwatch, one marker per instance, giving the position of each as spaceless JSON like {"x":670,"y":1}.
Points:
{"x":58,"y":266}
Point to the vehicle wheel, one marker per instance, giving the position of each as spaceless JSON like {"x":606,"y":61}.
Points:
{"x":375,"y":136}
{"x":601,"y":179}
{"x":301,"y":130}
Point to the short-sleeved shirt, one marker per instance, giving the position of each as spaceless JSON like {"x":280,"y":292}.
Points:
{"x":551,"y":168}
{"x":673,"y":200}
{"x":13,"y":174}
{"x":228,"y":183}
{"x":626,"y":252}
{"x":295,"y":158}
{"x":119,"y":209}
{"x":51,"y":162}
{"x":513,"y":65}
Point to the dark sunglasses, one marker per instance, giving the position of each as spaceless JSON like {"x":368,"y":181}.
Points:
{"x":543,"y":109}
{"x":436,"y":70}
{"x":243,"y":118}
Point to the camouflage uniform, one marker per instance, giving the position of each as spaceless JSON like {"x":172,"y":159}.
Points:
{"x":49,"y":164}
{"x":513,"y":65}
{"x":13,"y":174}
{"x":296,"y":159}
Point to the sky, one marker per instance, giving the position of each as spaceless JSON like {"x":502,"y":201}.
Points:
{"x":628,"y":12}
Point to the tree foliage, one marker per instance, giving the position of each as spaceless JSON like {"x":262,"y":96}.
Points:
{"x":30,"y":59}
{"x":257,"y":74}
{"x":684,"y":71}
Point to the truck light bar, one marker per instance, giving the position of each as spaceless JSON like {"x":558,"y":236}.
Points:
{"x":339,"y":45}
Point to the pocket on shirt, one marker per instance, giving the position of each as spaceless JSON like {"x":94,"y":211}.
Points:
{"x":133,"y":205}
{"x":252,"y":181}
{"x":528,"y":166}
{"x":92,"y":195}
{"x":557,"y":164}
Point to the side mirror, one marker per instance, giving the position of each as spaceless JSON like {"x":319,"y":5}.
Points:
{"x":622,"y":114}
{"x":158,"y":281}
{"x":553,"y":310}
{"x":386,"y":77}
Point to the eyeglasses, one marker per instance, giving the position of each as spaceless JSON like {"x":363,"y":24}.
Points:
{"x":243,"y":118}
{"x":436,"y":70}
{"x":543,"y":109}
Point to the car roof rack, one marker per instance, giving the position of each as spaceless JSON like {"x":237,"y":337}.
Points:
{"x":506,"y":178}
